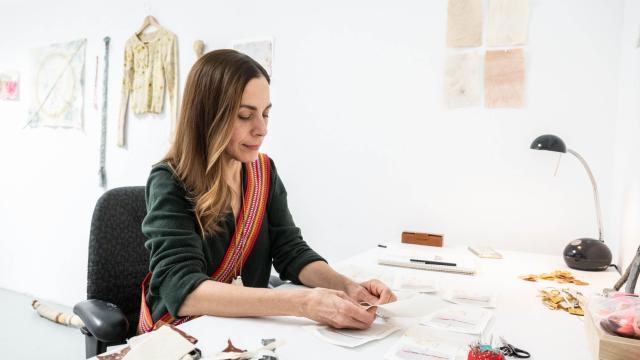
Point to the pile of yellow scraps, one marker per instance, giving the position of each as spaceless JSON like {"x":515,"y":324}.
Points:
{"x":560,"y":276}
{"x":565,"y":299}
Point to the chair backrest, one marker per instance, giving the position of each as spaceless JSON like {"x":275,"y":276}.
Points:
{"x":118,"y":260}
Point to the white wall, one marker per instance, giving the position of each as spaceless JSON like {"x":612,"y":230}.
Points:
{"x":359,"y":131}
{"x":626,"y":195}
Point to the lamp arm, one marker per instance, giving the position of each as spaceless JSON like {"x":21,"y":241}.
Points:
{"x":595,"y":192}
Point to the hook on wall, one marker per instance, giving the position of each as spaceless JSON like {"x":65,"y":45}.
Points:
{"x":147,"y":8}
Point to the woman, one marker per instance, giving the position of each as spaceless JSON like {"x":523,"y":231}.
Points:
{"x":218,"y":216}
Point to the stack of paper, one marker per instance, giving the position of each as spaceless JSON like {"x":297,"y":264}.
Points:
{"x":424,"y":343}
{"x":435,"y":261}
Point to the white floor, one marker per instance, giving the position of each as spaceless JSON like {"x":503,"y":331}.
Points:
{"x":26,"y":335}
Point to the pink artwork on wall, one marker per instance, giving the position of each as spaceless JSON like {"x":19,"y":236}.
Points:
{"x":504,"y":78}
{"x":9,"y":85}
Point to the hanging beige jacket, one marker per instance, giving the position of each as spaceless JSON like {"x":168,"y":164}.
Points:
{"x":150,"y":65}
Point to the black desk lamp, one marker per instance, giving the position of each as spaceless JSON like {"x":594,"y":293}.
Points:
{"x":584,"y":253}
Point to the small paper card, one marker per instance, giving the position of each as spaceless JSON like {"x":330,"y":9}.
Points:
{"x":459,"y":318}
{"x":474,"y":297}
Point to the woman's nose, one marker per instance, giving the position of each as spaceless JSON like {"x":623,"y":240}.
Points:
{"x":261,"y":126}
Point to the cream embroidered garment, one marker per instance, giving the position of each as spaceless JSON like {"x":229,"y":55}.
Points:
{"x":150,"y":65}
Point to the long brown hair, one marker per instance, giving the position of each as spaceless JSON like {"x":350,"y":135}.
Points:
{"x":210,"y":102}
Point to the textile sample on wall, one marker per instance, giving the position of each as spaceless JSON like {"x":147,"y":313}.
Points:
{"x":508,"y":22}
{"x":103,"y":120}
{"x":504,"y":78}
{"x":463,"y":80}
{"x":259,"y":50}
{"x":198,"y":47}
{"x":9,"y":85}
{"x":150,"y":65}
{"x":95,"y":85}
{"x":58,"y":85}
{"x":464,"y":23}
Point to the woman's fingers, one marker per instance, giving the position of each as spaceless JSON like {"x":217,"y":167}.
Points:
{"x":337,"y":309}
{"x":387,"y":296}
{"x":353,"y":315}
{"x":358,"y":313}
{"x":380,"y":290}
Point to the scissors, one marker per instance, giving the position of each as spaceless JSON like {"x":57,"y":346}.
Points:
{"x":512,"y":351}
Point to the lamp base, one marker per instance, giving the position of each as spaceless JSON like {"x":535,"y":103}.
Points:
{"x":587,"y":254}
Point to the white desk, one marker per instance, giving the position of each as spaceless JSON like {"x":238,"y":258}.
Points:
{"x":520,"y":316}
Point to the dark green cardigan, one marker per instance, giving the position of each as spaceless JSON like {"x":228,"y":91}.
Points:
{"x":181,"y":260}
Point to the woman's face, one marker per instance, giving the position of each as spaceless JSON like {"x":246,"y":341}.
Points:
{"x":250,"y":123}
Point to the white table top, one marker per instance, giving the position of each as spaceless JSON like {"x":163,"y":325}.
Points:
{"x":520,"y":316}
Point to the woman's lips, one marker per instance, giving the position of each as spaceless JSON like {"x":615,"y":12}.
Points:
{"x":252,"y":147}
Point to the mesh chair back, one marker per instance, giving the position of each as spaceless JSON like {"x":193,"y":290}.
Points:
{"x":118,"y":260}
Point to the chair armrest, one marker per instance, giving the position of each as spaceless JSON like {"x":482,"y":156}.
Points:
{"x":275,"y":281}
{"x":104,"y":320}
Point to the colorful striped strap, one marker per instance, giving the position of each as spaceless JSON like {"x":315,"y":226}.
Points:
{"x":248,"y":224}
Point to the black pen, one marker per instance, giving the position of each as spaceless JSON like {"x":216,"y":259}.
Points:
{"x":431,"y":262}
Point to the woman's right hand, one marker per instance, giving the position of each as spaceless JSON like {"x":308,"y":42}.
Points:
{"x":336,"y":309}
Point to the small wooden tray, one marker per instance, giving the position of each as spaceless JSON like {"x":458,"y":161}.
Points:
{"x":605,"y":346}
{"x":420,"y":238}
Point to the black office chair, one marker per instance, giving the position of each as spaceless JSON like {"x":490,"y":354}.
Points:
{"x":118,"y":261}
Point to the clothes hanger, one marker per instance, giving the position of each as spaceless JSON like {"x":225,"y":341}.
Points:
{"x":149,"y":21}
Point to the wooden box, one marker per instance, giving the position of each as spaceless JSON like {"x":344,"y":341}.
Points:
{"x":608,"y":347}
{"x":419,"y":238}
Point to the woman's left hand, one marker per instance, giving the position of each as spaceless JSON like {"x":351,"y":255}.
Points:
{"x":374,"y":292}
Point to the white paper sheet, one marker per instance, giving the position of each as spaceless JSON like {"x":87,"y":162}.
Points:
{"x":459,"y":318}
{"x":463,"y":80}
{"x":426,"y":343}
{"x":364,"y":273}
{"x":260,"y":50}
{"x":161,"y":344}
{"x":416,"y":283}
{"x":352,"y":338}
{"x":415,"y":306}
{"x":508,"y":22}
{"x":470,"y":296}
{"x":464,"y":23}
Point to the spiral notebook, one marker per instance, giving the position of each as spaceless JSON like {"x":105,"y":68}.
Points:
{"x":433,"y":262}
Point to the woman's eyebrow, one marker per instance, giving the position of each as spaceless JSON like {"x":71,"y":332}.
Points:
{"x":254,"y":108}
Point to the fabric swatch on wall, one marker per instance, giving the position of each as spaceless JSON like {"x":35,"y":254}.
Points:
{"x":57,"y":85}
{"x":504,"y":78}
{"x":259,"y":50}
{"x":463,"y":80}
{"x":508,"y":22}
{"x":464,"y":23}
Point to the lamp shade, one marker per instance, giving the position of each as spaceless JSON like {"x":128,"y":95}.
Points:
{"x":549,"y":142}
